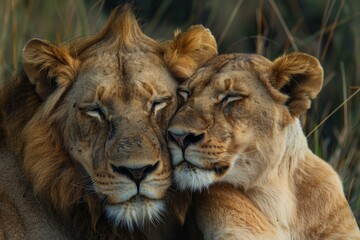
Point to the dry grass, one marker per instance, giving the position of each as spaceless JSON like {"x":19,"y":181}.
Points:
{"x":327,"y":29}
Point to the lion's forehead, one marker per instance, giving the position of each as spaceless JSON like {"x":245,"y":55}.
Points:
{"x":118,"y":63}
{"x":138,"y":74}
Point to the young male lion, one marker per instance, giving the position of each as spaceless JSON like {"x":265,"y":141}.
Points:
{"x":238,"y":135}
{"x":88,"y":119}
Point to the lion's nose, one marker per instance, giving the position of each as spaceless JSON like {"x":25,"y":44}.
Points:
{"x":184,"y":140}
{"x":136,"y":174}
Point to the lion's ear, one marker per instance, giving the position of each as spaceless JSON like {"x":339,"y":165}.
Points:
{"x":300,"y":76}
{"x":189,"y":50}
{"x":48,"y":66}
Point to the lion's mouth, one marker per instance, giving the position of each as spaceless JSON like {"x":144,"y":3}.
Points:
{"x":112,"y":200}
{"x":135,"y":212}
{"x":136,"y":199}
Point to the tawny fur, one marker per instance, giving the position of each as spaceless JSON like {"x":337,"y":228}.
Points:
{"x":239,"y":128}
{"x":68,"y":149}
{"x":183,"y":60}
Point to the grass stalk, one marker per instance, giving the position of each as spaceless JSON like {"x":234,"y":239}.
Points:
{"x":283,"y":24}
{"x":333,"y":112}
{"x":229,"y":22}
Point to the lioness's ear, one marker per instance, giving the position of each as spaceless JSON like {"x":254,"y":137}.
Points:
{"x":189,"y":50}
{"x":47,"y":66}
{"x":300,"y":76}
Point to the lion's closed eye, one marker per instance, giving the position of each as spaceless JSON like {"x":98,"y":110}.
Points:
{"x":183,"y":93}
{"x":93,"y":110}
{"x":97,"y":113}
{"x":159,"y":103}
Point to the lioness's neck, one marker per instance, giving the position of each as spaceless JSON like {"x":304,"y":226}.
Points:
{"x":274,"y":192}
{"x":295,"y":148}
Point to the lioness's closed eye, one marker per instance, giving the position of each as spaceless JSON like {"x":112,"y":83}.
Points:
{"x":239,"y":125}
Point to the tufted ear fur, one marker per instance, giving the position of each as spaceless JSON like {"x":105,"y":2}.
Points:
{"x":48,"y":66}
{"x":189,"y":50}
{"x":300,"y":76}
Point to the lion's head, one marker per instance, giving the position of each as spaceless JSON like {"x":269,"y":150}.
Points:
{"x":97,"y":113}
{"x":236,"y":112}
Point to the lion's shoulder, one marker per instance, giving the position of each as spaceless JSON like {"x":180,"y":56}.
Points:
{"x":21,"y":215}
{"x":18,"y":103}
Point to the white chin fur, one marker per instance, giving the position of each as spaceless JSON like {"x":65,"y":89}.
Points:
{"x":193,"y":179}
{"x":137,"y":213}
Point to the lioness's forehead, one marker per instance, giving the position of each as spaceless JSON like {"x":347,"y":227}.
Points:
{"x":227,"y":74}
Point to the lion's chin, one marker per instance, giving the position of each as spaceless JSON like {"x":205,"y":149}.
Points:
{"x":194,"y":179}
{"x":135,"y":213}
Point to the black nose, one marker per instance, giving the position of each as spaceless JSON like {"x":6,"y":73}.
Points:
{"x":184,"y":140}
{"x":136,"y":174}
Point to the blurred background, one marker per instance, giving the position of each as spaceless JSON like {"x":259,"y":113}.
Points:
{"x":327,"y":29}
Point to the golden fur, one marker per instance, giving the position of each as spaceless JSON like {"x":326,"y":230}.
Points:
{"x":239,"y":127}
{"x":88,"y":120}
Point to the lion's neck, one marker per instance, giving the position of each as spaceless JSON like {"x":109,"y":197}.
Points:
{"x":274,"y":193}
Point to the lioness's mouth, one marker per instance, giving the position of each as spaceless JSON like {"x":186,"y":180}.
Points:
{"x":191,"y":166}
{"x":219,"y":170}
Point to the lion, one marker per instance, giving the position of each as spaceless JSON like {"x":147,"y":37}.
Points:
{"x":238,"y":144}
{"x":88,"y":122}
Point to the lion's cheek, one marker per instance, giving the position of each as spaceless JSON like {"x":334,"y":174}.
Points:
{"x":82,"y":141}
{"x":155,"y":191}
{"x":81,"y":153}
{"x":119,"y":194}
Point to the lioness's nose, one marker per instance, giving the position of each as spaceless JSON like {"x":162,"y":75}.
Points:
{"x":184,"y":140}
{"x":136,"y":174}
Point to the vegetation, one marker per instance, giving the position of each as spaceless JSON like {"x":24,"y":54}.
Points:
{"x":327,"y":29}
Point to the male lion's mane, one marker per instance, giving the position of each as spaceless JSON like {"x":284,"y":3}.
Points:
{"x":54,"y":176}
{"x":56,"y":179}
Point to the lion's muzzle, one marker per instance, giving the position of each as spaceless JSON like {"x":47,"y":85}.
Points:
{"x":136,"y":174}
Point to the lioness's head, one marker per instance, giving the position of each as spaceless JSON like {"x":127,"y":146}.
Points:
{"x":99,"y":135}
{"x":236,"y":110}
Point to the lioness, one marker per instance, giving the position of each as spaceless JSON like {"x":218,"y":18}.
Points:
{"x":88,"y":121}
{"x":238,"y":128}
